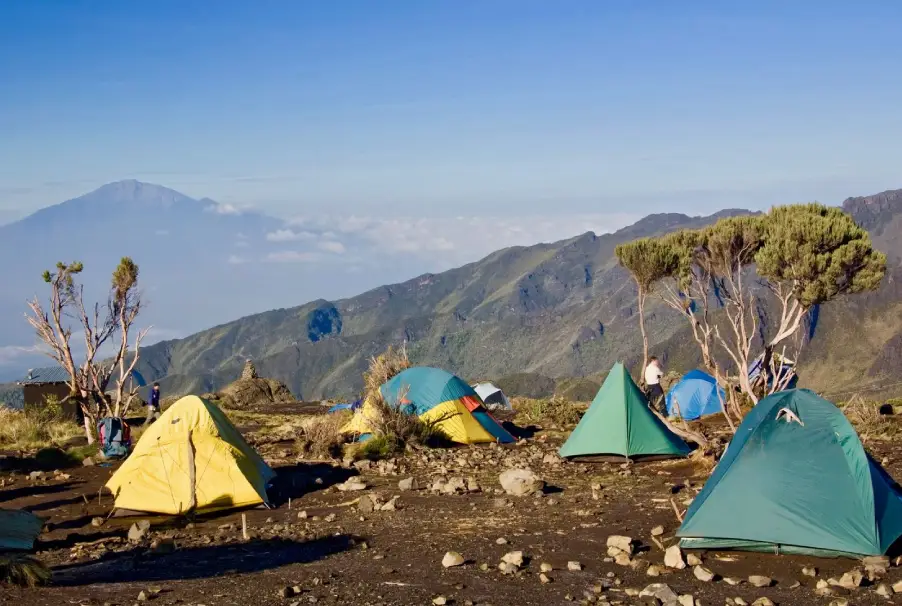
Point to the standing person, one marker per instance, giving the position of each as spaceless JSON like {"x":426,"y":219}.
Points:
{"x":153,"y":407}
{"x":653,"y":375}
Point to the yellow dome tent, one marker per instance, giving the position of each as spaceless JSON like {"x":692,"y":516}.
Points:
{"x":191,"y":459}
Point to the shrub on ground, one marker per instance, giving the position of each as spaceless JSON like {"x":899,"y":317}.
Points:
{"x":35,"y":428}
{"x":321,"y":436}
{"x":555,"y":410}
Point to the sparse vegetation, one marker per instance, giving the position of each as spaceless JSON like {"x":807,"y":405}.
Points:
{"x":321,"y":436}
{"x":556,"y":410}
{"x":866,"y":417}
{"x":34,"y":428}
{"x":23,"y":570}
{"x":392,"y":427}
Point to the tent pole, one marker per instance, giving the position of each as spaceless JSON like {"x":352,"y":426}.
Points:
{"x":192,"y":473}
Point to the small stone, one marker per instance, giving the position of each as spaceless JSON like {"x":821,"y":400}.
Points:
{"x":897,"y":587}
{"x":657,"y":531}
{"x":839,"y":602}
{"x":138,"y":531}
{"x":693,"y":560}
{"x":686,"y":600}
{"x":851,"y":579}
{"x":623,"y":543}
{"x":822,"y":584}
{"x":763,"y":602}
{"x":514,"y":557}
{"x":501,"y":541}
{"x":452,"y":559}
{"x":661,"y":592}
{"x":760,"y":581}
{"x":673,"y":558}
{"x":574,"y":566}
{"x":142,"y":596}
{"x":507,"y":568}
{"x":703,"y":574}
{"x":440,"y":601}
{"x":809,"y":571}
{"x":97,"y":522}
{"x":302,"y":515}
{"x":366,"y":505}
{"x":88,"y":462}
{"x":544,"y":578}
{"x":521,"y":482}
{"x":286,"y":592}
{"x":546,"y":567}
{"x":623,"y":559}
{"x":883,"y":590}
{"x":653,"y":571}
{"x":732,"y":581}
{"x":330,"y":517}
{"x":351,"y":485}
{"x":408,"y":484}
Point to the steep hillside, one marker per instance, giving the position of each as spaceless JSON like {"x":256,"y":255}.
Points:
{"x":561,"y":309}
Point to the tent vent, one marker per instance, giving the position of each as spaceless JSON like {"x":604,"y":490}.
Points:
{"x":790,"y":416}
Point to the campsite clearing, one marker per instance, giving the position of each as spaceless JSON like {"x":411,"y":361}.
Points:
{"x":336,"y":547}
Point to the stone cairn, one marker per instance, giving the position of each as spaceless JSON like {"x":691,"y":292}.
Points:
{"x":250,"y":371}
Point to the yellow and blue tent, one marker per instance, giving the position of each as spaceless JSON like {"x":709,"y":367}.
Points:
{"x":191,"y":459}
{"x":434,"y":394}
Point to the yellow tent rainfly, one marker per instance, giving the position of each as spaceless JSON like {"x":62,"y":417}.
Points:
{"x":191,"y":459}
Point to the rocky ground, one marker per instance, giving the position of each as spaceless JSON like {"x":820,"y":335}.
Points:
{"x":435,"y":527}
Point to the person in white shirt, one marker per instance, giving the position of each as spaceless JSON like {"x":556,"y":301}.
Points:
{"x":653,"y":375}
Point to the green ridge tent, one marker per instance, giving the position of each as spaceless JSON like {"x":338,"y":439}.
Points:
{"x":796,"y":479}
{"x":619,"y":422}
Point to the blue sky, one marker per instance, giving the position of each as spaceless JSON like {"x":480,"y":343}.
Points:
{"x":442,"y":107}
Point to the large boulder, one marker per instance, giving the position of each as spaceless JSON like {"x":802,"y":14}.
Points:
{"x":247,"y":392}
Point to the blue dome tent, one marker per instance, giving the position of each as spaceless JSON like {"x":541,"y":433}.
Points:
{"x":696,"y":395}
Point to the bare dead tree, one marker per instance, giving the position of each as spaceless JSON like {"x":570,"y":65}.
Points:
{"x":89,"y":378}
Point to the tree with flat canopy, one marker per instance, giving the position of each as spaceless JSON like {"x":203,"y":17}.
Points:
{"x":648,"y":261}
{"x":804,"y":254}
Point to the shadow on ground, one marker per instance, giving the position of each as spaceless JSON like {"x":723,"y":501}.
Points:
{"x":294,"y":481}
{"x":200,"y":562}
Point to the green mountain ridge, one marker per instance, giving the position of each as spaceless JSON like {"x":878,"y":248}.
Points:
{"x":563,"y":309}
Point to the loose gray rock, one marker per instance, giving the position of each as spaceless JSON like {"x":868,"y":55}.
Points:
{"x":366,"y":505}
{"x":521,"y":482}
{"x":661,"y":592}
{"x":138,"y":531}
{"x":408,"y":484}
{"x":703,"y":574}
{"x":673,"y":558}
{"x":513,"y":557}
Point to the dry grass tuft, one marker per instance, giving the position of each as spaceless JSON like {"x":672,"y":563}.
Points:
{"x":870,"y":424}
{"x":35,"y":428}
{"x":382,"y":369}
{"x":23,"y":570}
{"x":393,"y":428}
{"x":556,"y":410}
{"x":321,"y":436}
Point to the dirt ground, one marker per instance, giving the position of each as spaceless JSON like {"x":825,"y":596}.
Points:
{"x":320,"y":548}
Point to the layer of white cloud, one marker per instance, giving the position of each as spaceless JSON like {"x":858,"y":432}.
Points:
{"x":237,"y":259}
{"x":332,"y":246}
{"x":10,"y":354}
{"x":288,"y":235}
{"x":224,"y":209}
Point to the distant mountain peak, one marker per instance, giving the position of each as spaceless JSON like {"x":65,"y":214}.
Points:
{"x":132,"y":190}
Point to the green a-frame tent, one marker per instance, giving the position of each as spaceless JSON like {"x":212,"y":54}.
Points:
{"x":619,"y":423}
{"x":796,"y":479}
